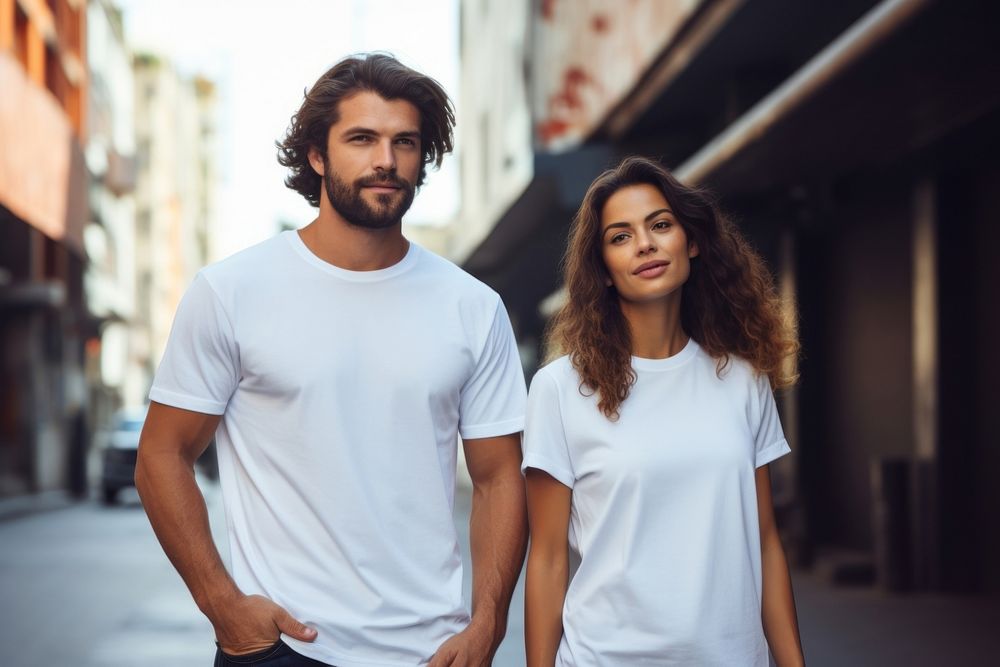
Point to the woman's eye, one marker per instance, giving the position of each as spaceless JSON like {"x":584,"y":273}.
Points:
{"x":662,"y":224}
{"x":618,"y":238}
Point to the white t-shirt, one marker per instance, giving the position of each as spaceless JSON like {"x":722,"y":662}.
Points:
{"x":343,"y":394}
{"x":663,"y":511}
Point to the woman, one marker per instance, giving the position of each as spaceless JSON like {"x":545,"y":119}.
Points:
{"x":646,"y":445}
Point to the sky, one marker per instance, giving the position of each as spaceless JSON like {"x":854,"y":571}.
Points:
{"x":263,"y":54}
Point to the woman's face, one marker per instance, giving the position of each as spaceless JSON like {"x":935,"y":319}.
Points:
{"x":645,"y":248}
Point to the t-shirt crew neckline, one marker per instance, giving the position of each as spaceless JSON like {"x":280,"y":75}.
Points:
{"x":403,"y":265}
{"x":687,"y":353}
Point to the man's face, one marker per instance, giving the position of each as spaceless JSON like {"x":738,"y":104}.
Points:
{"x":373,"y":160}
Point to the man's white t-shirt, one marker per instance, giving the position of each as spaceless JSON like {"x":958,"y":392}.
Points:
{"x":343,"y":395}
{"x":663,"y":510}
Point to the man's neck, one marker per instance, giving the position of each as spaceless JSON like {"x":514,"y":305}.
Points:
{"x":337,"y":242}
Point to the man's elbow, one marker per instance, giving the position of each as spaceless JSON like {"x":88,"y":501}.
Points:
{"x":141,"y":476}
{"x":504,"y":477}
{"x":146,"y":461}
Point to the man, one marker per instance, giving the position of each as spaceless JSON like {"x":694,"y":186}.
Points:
{"x":338,"y":364}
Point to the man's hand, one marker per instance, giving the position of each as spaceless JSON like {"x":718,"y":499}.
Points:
{"x":252,"y":623}
{"x":470,"y":648}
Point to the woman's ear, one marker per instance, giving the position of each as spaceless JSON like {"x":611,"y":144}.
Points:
{"x":692,"y":250}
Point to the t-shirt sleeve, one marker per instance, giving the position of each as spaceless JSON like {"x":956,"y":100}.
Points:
{"x":544,"y":441}
{"x":493,"y":398}
{"x":769,"y":442}
{"x":200,"y":366}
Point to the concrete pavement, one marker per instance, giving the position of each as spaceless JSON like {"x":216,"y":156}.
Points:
{"x":88,"y":586}
{"x":862,"y":627}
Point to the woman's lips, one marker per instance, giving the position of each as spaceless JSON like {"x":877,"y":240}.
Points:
{"x":651,"y":269}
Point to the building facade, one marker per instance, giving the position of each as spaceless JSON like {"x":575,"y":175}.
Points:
{"x":43,"y":210}
{"x":114,"y":374}
{"x":107,"y":195}
{"x":175,"y":195}
{"x":863,"y":165}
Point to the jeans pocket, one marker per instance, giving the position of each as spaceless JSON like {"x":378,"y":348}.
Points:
{"x":275,"y":650}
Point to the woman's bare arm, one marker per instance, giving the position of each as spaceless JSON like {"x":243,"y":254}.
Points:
{"x":547,"y":573}
{"x":781,"y":626}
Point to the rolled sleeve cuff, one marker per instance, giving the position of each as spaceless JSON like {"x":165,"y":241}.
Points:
{"x":775,"y":451}
{"x":185,"y":402}
{"x":492,"y":430}
{"x":559,"y":473}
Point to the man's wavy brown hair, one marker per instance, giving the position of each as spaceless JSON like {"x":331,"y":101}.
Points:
{"x":729,"y":305}
{"x":379,"y":73}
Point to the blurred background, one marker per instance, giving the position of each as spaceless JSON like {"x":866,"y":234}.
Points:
{"x":855,"y":143}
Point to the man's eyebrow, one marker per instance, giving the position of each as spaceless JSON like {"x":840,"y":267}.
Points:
{"x":407,"y":134}
{"x":358,"y":130}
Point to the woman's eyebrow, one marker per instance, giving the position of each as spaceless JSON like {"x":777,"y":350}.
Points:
{"x":647,"y":219}
{"x":658,"y":212}
{"x":626,"y":225}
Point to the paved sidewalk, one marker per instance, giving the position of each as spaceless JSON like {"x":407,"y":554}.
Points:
{"x":860,"y":627}
{"x":26,"y":505}
{"x":83,"y":582}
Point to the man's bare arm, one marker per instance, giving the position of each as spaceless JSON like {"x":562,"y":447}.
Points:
{"x":498,"y":539}
{"x":172,"y":440}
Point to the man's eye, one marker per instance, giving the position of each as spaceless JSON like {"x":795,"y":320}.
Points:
{"x":406,"y":142}
{"x":361,"y":138}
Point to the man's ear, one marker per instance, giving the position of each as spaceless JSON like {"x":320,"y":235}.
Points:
{"x":692,"y":250}
{"x":316,"y":160}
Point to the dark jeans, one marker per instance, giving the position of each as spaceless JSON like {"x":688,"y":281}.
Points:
{"x":278,"y":655}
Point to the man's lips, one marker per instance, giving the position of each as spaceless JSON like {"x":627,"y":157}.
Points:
{"x":651,"y":269}
{"x":382,"y":187}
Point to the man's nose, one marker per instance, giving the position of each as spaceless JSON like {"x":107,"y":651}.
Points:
{"x":384,"y":158}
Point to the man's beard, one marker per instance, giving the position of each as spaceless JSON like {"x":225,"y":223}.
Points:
{"x":348,"y":201}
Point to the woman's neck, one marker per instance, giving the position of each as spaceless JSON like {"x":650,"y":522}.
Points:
{"x":655,"y":327}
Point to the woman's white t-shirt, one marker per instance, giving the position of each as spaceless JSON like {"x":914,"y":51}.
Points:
{"x":664,"y":509}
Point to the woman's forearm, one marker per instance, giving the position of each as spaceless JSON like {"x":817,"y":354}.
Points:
{"x":781,"y":625}
{"x":547,"y":575}
{"x":545,"y":590}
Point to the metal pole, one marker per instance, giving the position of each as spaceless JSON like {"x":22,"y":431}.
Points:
{"x":868,"y":32}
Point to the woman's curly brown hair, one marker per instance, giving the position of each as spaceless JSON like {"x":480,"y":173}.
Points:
{"x":729,"y":305}
{"x":379,"y":73}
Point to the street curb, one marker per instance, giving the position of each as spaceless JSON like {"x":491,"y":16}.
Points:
{"x":18,"y":507}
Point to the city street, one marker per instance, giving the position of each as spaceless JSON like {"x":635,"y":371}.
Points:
{"x":820,"y":192}
{"x":87,"y":586}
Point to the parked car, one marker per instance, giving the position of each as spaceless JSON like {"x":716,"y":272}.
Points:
{"x":118,"y":465}
{"x":122,"y":447}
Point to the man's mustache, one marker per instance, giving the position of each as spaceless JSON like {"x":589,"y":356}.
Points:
{"x":384,"y":178}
